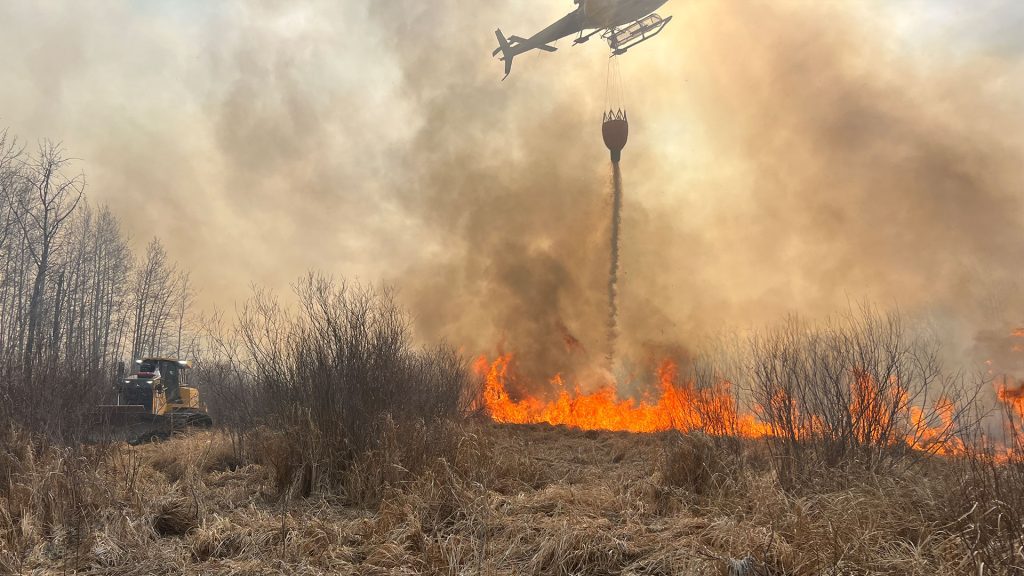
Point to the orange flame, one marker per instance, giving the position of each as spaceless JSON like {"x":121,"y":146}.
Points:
{"x":938,"y":438}
{"x":1013,"y":397}
{"x":714,"y":410}
{"x":874,"y":408}
{"x":676,"y":407}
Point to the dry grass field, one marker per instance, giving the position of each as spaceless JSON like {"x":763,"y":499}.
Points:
{"x":507,"y":500}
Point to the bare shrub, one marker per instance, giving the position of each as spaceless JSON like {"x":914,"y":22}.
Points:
{"x":861,"y":391}
{"x":326,"y":376}
{"x":56,"y":399}
{"x":230,"y":398}
{"x":712,"y":401}
{"x":225,"y":393}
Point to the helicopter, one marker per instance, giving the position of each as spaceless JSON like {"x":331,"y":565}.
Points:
{"x":622,"y":23}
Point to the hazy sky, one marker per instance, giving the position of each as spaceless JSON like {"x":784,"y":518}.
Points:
{"x":784,"y":155}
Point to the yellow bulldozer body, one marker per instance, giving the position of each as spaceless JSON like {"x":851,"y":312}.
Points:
{"x":156,"y":401}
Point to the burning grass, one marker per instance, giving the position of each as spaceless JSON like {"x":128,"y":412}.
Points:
{"x":864,"y":388}
{"x":676,"y":405}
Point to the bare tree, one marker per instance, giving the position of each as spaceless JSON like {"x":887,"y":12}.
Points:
{"x":160,"y":300}
{"x":11,"y":187}
{"x":10,"y":178}
{"x":41,"y":220}
{"x":111,"y":263}
{"x":185,"y":298}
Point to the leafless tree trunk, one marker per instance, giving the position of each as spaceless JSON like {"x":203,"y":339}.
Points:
{"x":41,"y":221}
{"x":160,"y":295}
{"x":184,"y":302}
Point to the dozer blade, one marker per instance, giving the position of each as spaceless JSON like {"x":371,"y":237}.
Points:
{"x":121,"y":415}
{"x":135,"y":425}
{"x":127,"y":423}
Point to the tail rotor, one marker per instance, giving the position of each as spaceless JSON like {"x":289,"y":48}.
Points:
{"x":507,"y":54}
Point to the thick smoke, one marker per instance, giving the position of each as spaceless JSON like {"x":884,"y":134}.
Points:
{"x":784,"y":157}
{"x":862,"y":172}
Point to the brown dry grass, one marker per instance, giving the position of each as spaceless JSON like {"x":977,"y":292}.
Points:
{"x":512,"y":500}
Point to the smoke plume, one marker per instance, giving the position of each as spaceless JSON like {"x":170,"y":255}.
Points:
{"x":784,"y":157}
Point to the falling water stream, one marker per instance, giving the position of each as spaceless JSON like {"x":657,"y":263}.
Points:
{"x":613,"y":270}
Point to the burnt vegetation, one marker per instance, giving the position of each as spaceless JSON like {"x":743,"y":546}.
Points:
{"x":345,"y":445}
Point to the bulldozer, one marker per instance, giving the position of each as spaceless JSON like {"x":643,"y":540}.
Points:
{"x":154,"y":402}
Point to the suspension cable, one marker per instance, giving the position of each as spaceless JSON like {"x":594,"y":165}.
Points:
{"x":614,"y":92}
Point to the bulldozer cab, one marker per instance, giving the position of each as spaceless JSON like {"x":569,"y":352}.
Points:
{"x":159,"y":384}
{"x":170,"y":378}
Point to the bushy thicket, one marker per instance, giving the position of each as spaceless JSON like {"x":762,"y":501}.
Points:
{"x":862,"y":391}
{"x":318,"y":384}
{"x":55,"y":400}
